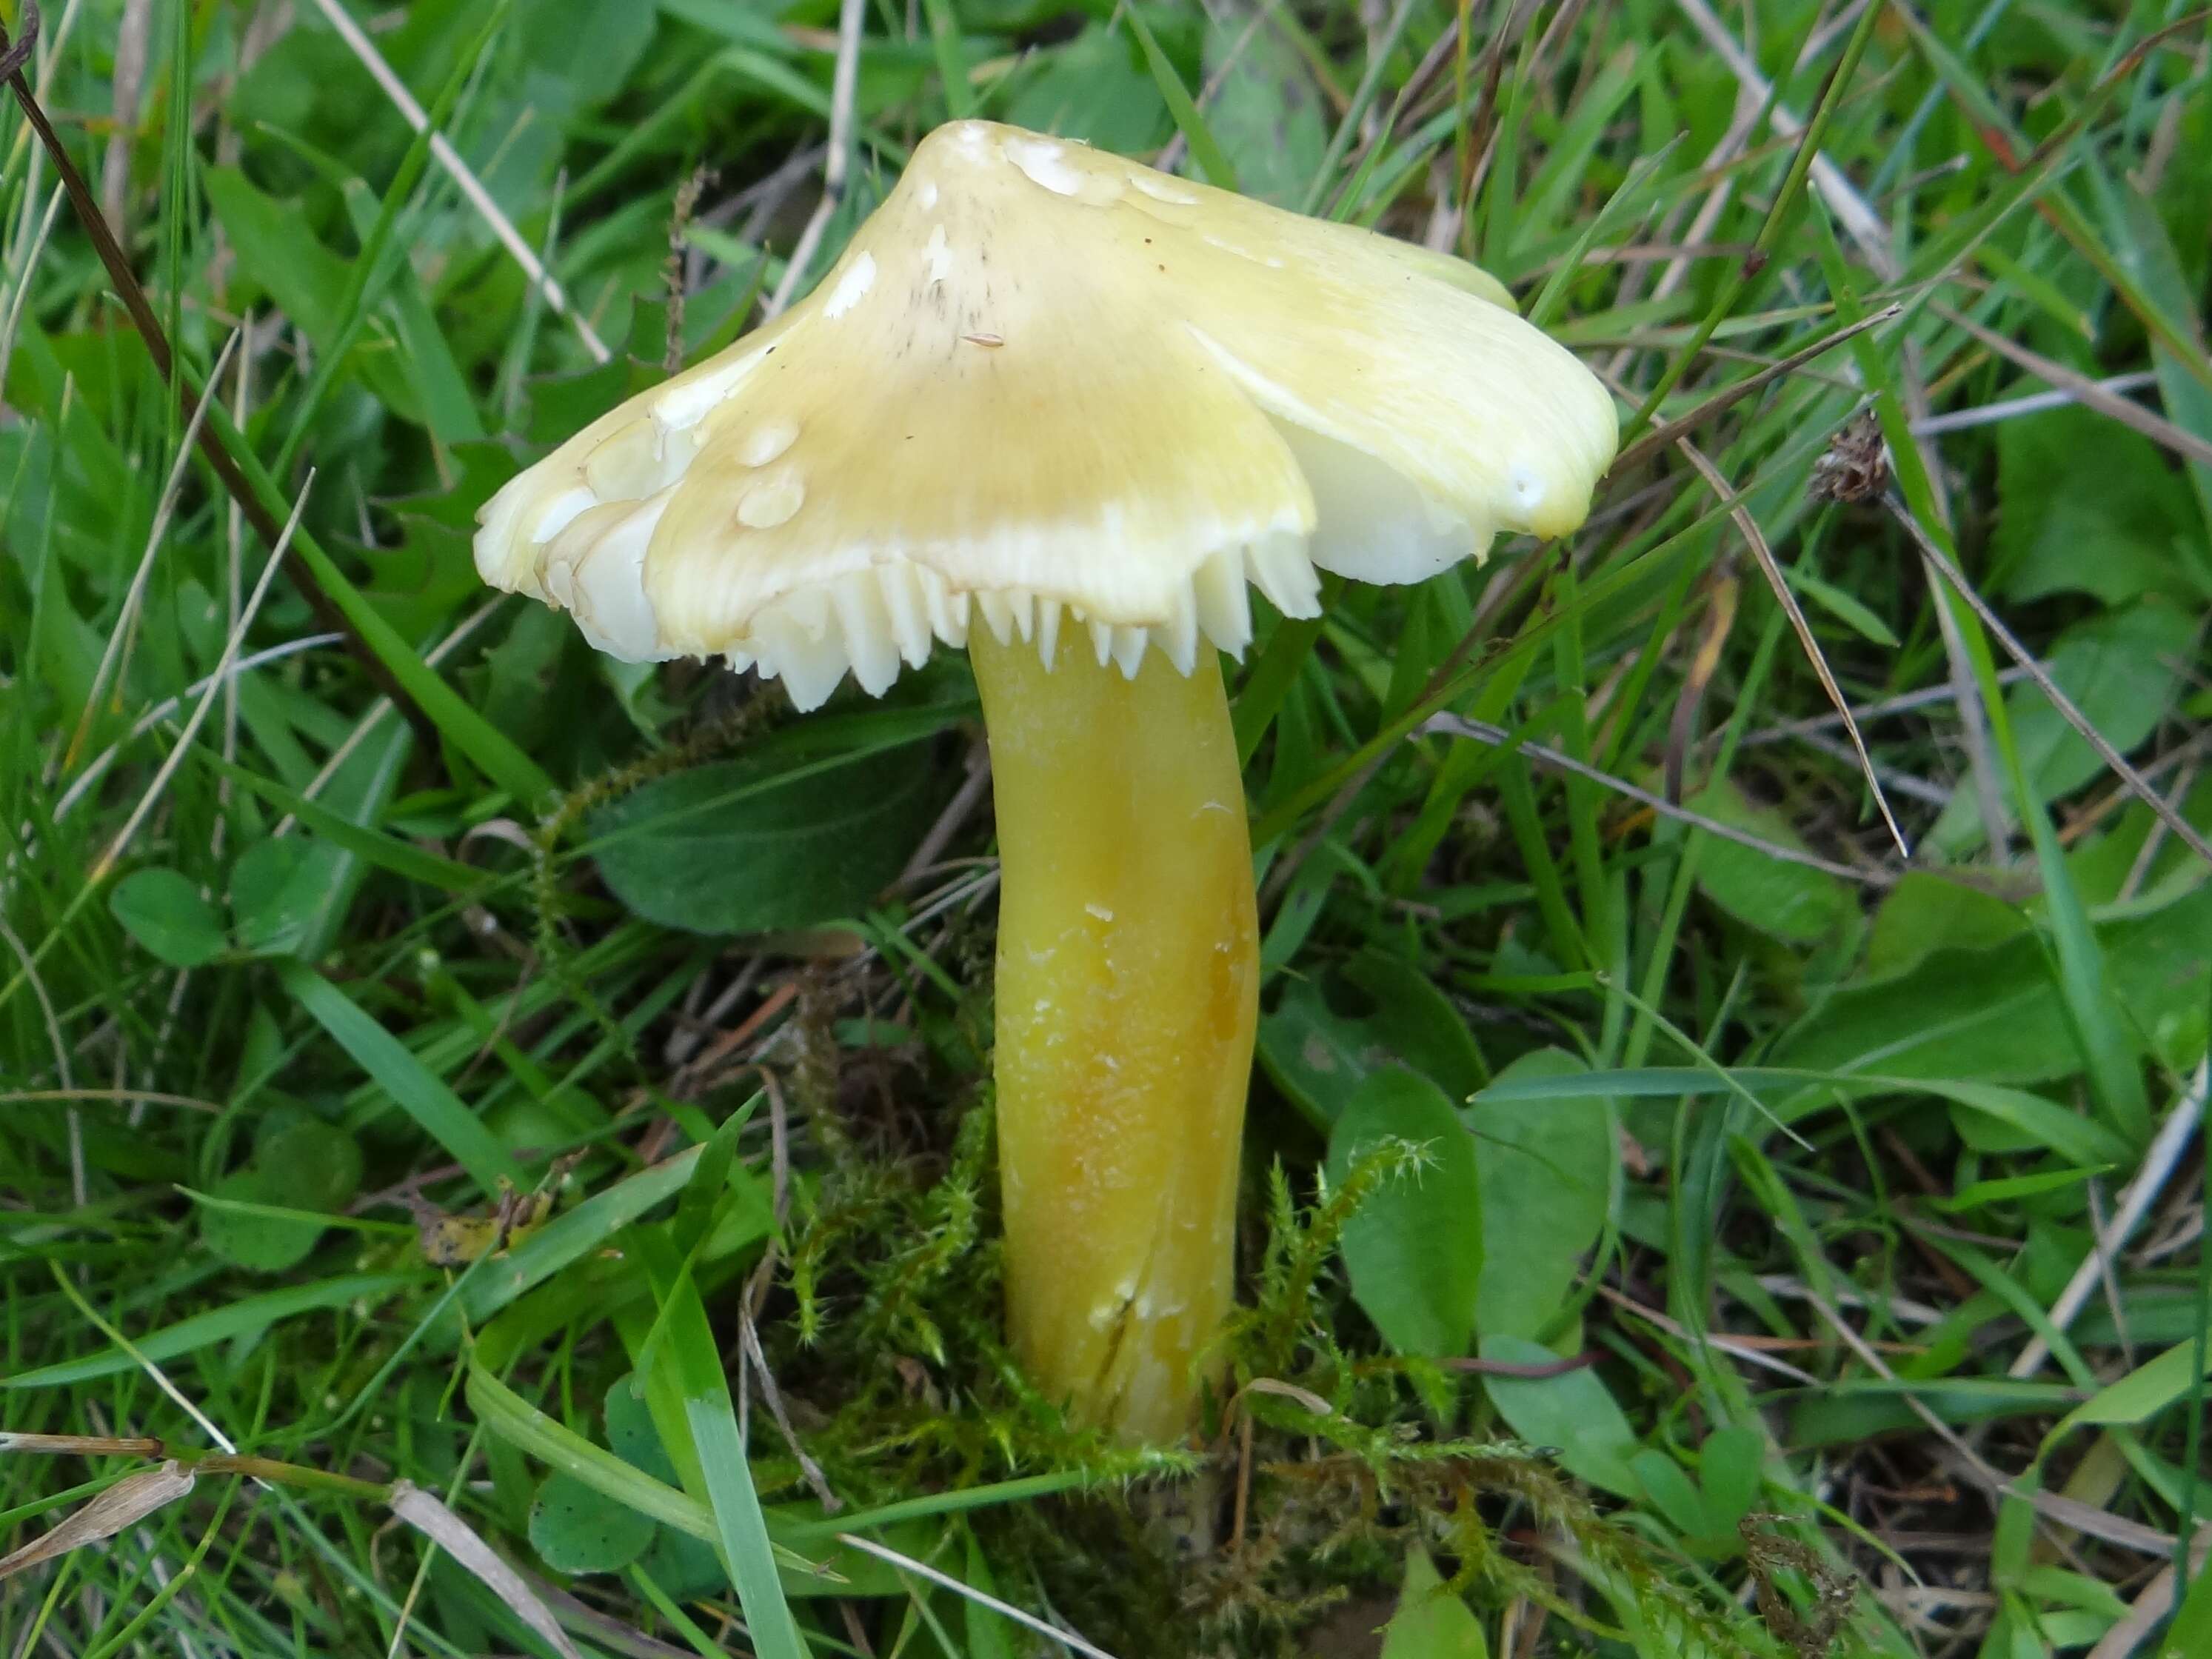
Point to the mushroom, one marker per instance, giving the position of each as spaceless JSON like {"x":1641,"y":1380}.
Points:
{"x":1060,"y":409}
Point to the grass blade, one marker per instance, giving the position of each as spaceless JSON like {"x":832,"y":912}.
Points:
{"x":411,"y":1085}
{"x":1204,"y":148}
{"x":691,"y":1361}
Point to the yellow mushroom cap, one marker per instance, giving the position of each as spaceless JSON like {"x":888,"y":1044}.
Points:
{"x":1060,"y":388}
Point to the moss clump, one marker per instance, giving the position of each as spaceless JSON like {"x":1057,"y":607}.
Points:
{"x":1299,"y":1493}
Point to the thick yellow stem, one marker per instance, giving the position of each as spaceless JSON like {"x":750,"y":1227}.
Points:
{"x":1127,"y":991}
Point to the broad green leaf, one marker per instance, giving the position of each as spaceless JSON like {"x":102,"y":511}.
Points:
{"x":1414,"y":1249}
{"x":584,"y":51}
{"x":1266,"y":110}
{"x":1791,"y":902}
{"x":1732,"y":1471}
{"x":1673,"y":1493}
{"x":687,"y":1567}
{"x":1995,"y":1014}
{"x":1431,"y":1622}
{"x":1572,"y":1412}
{"x":166,"y":914}
{"x":279,"y":253}
{"x":745,"y":847}
{"x":2089,"y":508}
{"x":257,"y":1243}
{"x":2122,"y":670}
{"x":1545,"y":1168}
{"x":1092,"y":88}
{"x":1928,"y":911}
{"x":630,"y":1430}
{"x":1326,"y":1037}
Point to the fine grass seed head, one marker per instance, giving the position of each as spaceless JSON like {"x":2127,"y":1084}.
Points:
{"x":1055,"y":389}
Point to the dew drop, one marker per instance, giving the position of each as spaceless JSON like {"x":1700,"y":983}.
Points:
{"x":1045,"y":164}
{"x":851,"y":286}
{"x":1160,"y":191}
{"x":766,"y":441}
{"x":771,"y":501}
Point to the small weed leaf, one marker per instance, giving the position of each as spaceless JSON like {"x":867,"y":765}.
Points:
{"x":276,"y":889}
{"x":575,"y":1529}
{"x":1415,"y":1247}
{"x":1431,"y":1621}
{"x":166,"y":914}
{"x":1573,"y":1411}
{"x":302,"y":1167}
{"x":1327,"y":1034}
{"x":1545,"y":1170}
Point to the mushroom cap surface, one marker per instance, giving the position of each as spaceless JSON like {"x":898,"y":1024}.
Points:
{"x":1053,"y":387}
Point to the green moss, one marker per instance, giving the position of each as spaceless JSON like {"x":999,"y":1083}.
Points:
{"x":1300,"y":1491}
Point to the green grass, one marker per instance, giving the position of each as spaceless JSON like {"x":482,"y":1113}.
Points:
{"x":1803,"y":1147}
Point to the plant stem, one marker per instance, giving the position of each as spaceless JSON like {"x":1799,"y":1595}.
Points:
{"x":1128,"y":994}
{"x":288,"y":1475}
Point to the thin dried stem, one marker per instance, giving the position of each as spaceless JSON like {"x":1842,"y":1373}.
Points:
{"x":472,"y":187}
{"x":2136,"y":783}
{"x":1456,"y":725}
{"x":843,"y":91}
{"x":106,"y":861}
{"x":2158,"y":1166}
{"x":1659,"y":436}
